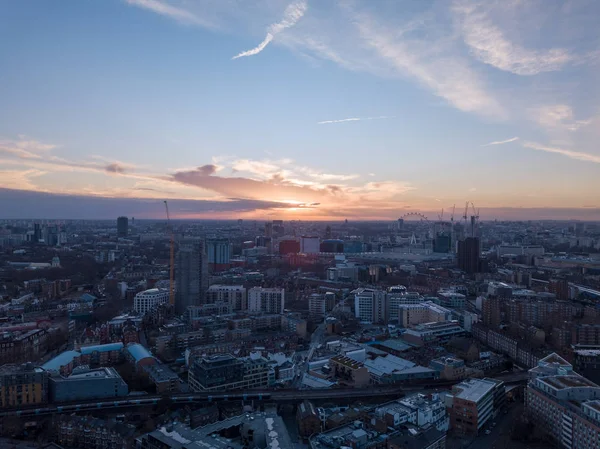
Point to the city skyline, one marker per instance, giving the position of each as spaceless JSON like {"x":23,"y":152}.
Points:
{"x":299,"y":109}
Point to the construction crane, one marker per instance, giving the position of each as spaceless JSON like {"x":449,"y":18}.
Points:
{"x":465,"y":217}
{"x":452,"y":216}
{"x":441,"y":216}
{"x":171,"y":259}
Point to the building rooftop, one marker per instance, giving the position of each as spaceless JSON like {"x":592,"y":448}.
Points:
{"x":473,"y":389}
{"x":101,"y":348}
{"x":138,"y":352}
{"x":268,"y":430}
{"x":161,"y":373}
{"x":347,"y":361}
{"x":572,"y":381}
{"x":61,"y":359}
{"x":24,"y":368}
{"x":554,"y":358}
{"x":99,"y":373}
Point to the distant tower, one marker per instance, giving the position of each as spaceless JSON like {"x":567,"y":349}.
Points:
{"x":122,"y":226}
{"x":328,"y":232}
{"x":191,"y":275}
{"x":55,"y":262}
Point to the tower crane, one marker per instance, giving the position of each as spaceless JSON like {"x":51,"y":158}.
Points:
{"x":172,"y":258}
{"x":474,"y":219}
{"x":452,"y":216}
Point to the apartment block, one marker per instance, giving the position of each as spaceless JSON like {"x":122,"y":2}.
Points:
{"x":426,"y":312}
{"x":266,"y":300}
{"x":563,"y":404}
{"x":233,"y":295}
{"x":22,"y":385}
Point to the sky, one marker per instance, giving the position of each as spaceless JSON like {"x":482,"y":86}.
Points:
{"x":304,"y":109}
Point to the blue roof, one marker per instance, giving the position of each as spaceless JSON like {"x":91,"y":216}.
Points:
{"x":138,"y":352}
{"x":102,"y":348}
{"x":88,"y":297}
{"x":60,"y":360}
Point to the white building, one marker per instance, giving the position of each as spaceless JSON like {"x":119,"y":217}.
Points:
{"x":427,"y":312}
{"x":266,"y":300}
{"x":147,"y":300}
{"x":234,"y":295}
{"x":369,"y":305}
{"x":309,"y":245}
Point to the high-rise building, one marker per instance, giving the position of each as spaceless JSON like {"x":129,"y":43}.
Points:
{"x":191,"y":275}
{"x":266,"y":300}
{"x":370,"y":305}
{"x":122,"y":226}
{"x":468,"y":255}
{"x":218,"y":251}
{"x":317,"y":306}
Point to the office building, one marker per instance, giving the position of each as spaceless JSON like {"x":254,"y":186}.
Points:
{"x":22,"y":385}
{"x":428,"y":333}
{"x":318,"y":305}
{"x":86,"y":384}
{"x":474,"y":403}
{"x":564,"y":405}
{"x":226,"y":372}
{"x":469,"y":255}
{"x":234,"y":296}
{"x":218,"y":252}
{"x":309,"y":245}
{"x":370,"y":305}
{"x":149,"y":299}
{"x":289,"y":246}
{"x":266,"y":300}
{"x":122,"y":226}
{"x":348,"y":371}
{"x":426,"y":312}
{"x":191,"y":275}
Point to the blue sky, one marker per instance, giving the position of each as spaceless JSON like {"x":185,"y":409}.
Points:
{"x":359,"y":109}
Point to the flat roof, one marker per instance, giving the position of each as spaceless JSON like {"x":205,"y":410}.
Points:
{"x":474,"y":389}
{"x":61,"y":359}
{"x":573,"y":381}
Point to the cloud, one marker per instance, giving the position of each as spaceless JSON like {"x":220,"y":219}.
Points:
{"x":490,"y":45}
{"x":25,"y":148}
{"x":501,"y":142}
{"x":25,"y":204}
{"x":430,"y":63}
{"x":173,"y":12}
{"x":585,"y":157}
{"x":354,"y":119}
{"x":115,"y":168}
{"x":292,"y":14}
{"x":557,"y":117}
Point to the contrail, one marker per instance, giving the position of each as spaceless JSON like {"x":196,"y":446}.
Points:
{"x":501,"y":142}
{"x":293,"y":13}
{"x":354,"y":119}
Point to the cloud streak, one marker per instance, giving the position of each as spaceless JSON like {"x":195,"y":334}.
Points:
{"x":577,"y":155}
{"x":489,"y":44}
{"x":501,"y":142}
{"x":164,"y":9}
{"x":354,"y":119}
{"x":293,"y":13}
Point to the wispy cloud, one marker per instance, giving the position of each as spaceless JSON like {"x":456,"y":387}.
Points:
{"x":173,"y":12}
{"x":501,"y":142}
{"x":293,"y":13}
{"x":557,"y":117}
{"x":354,"y":119}
{"x":490,"y":45}
{"x":577,"y":155}
{"x":447,"y":76}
